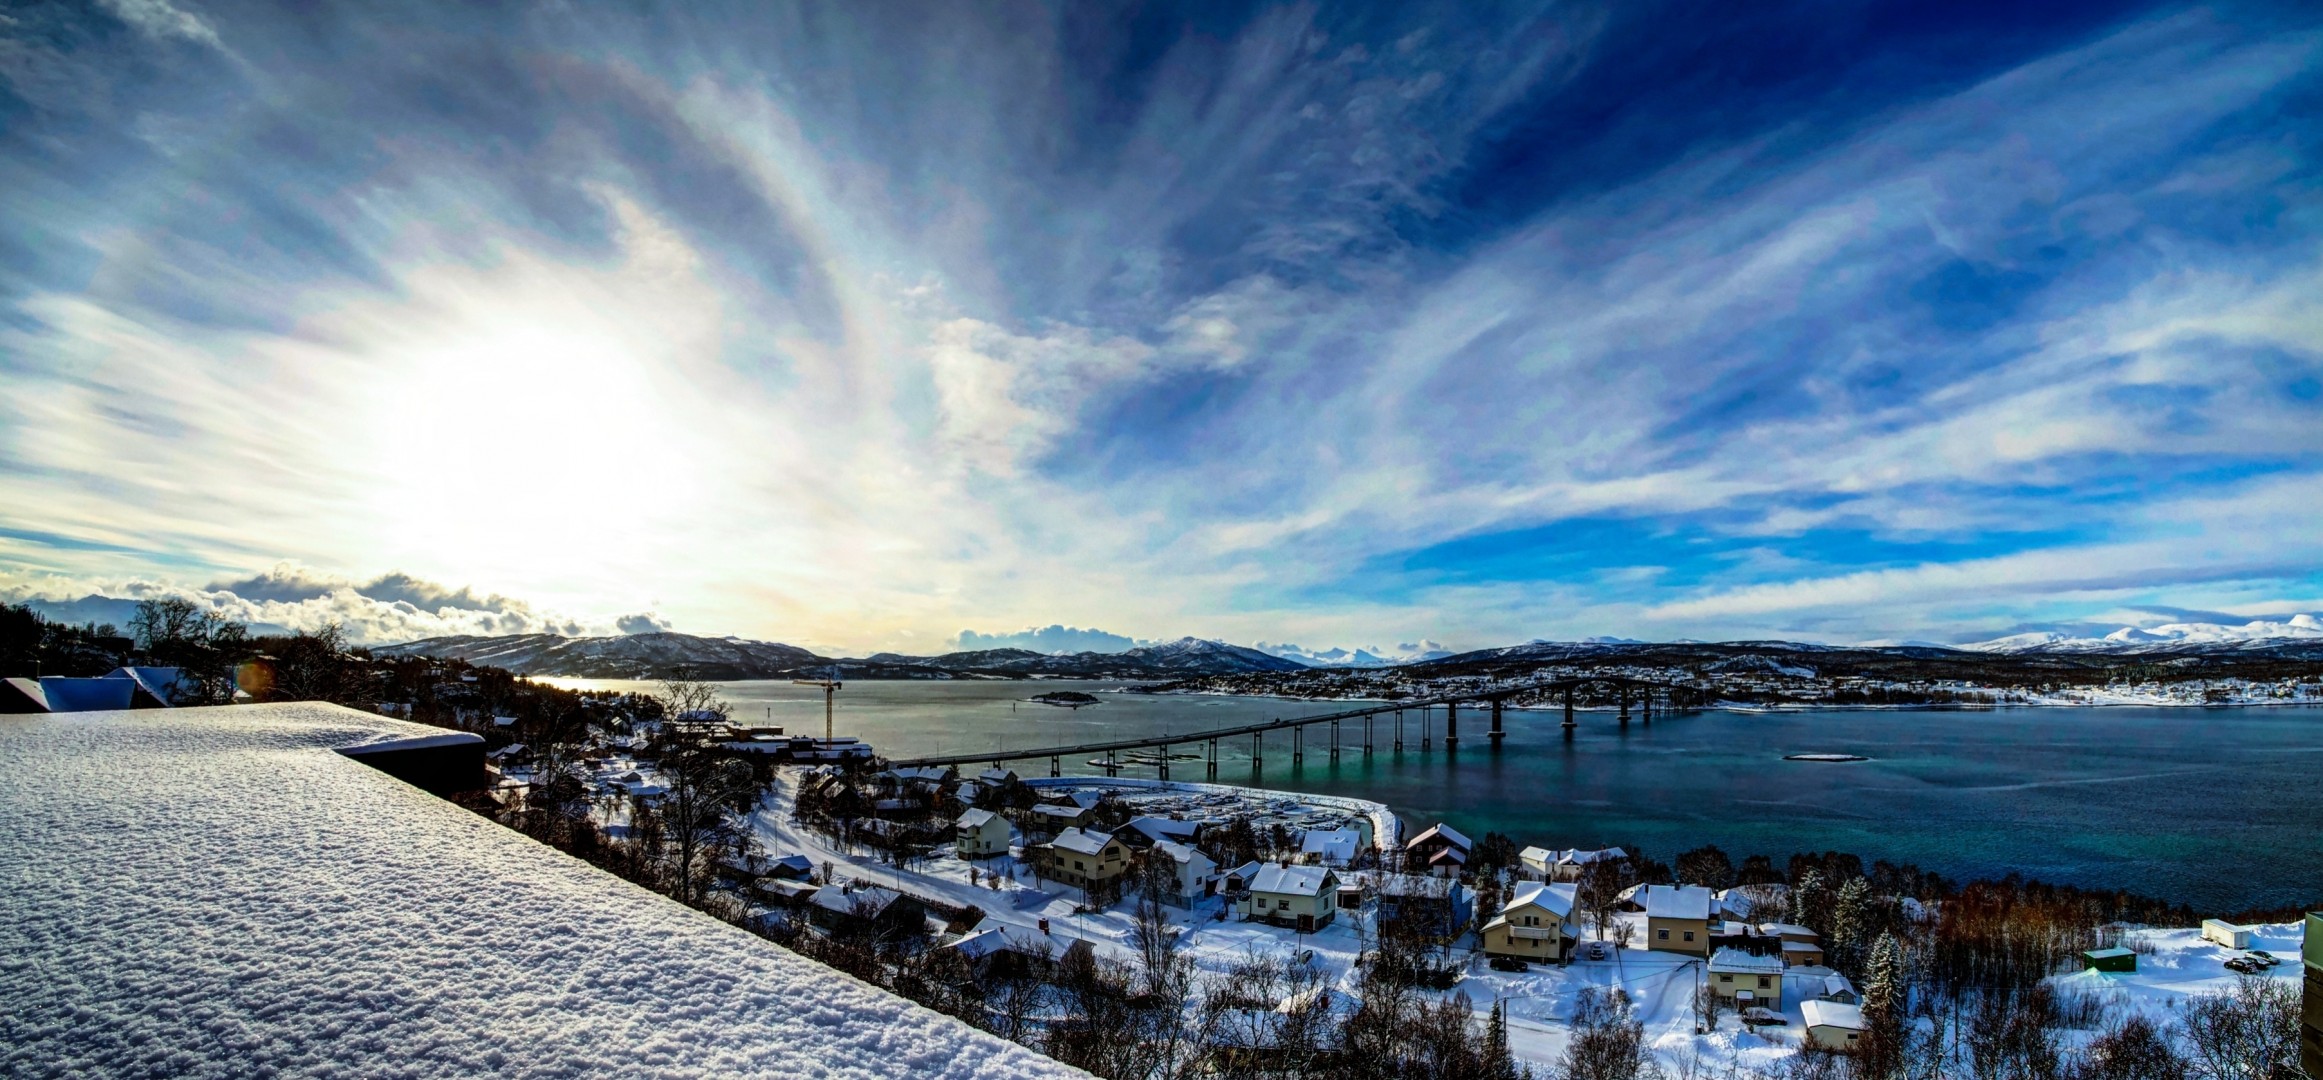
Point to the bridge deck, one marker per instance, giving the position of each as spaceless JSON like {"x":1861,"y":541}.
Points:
{"x":1166,"y":740}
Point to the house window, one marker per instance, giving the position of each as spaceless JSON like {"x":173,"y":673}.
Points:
{"x":1763,"y":983}
{"x":1077,"y":865}
{"x":1689,"y":935}
{"x":1726,"y":978}
{"x":1662,"y":935}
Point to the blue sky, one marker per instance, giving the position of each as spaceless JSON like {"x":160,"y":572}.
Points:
{"x":877,"y":326}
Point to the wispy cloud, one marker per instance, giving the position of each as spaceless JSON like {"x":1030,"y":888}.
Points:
{"x":848,"y":328}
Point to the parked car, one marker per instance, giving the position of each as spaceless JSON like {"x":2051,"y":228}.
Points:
{"x":2244,"y":964}
{"x":1509,"y":963}
{"x":1761,"y":1016}
{"x":2265,"y":958}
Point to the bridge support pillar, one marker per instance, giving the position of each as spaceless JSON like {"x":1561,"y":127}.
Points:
{"x":1625,"y":705}
{"x":1451,"y":724}
{"x":1213,"y":759}
{"x":1399,"y":731}
{"x":1497,"y":733}
{"x":1298,"y":745}
{"x":1256,"y":759}
{"x":1164,"y":765}
{"x":1334,"y":740}
{"x":1427,"y":736}
{"x":1366,"y":734}
{"x":1649,"y":705}
{"x":1054,"y":770}
{"x":1569,"y":724}
{"x":1112,"y":768}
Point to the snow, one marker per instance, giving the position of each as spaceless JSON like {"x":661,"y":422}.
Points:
{"x":1554,"y":898}
{"x":216,"y":893}
{"x":1677,"y":902}
{"x":2302,"y":627}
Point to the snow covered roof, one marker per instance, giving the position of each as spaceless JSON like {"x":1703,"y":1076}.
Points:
{"x":1162,"y":828}
{"x":1831,"y":1014}
{"x":976,"y":819}
{"x":1083,"y":842}
{"x":1536,"y":856}
{"x":1440,"y":832}
{"x":1555,"y":898}
{"x":1677,"y":902}
{"x":1293,"y":880}
{"x":1739,"y":962}
{"x":1063,"y":813}
{"x":855,"y":899}
{"x":1333,"y":845}
{"x":1186,"y":856}
{"x":337,"y":921}
{"x":1834,"y":985}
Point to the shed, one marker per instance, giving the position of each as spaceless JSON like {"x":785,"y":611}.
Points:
{"x":2116,"y":959}
{"x":1831,"y":1025}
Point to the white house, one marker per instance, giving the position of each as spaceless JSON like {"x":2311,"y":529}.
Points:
{"x":1193,"y":874}
{"x":980,"y":834}
{"x":1300,"y":896}
{"x":1535,"y":924}
{"x":1538,"y":862}
{"x":1677,"y":918}
{"x":1831,"y":1025}
{"x":1330,"y":847}
{"x":1573,"y":862}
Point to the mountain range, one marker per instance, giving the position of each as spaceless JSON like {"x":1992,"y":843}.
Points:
{"x":658,"y":655}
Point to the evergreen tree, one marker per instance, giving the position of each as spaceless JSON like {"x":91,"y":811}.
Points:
{"x":1883,"y":1052}
{"x":1811,"y":901}
{"x":1850,"y":925}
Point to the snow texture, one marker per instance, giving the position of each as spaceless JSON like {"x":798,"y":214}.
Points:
{"x":215,"y":892}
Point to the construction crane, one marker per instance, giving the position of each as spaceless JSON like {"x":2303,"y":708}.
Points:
{"x":830,"y":686}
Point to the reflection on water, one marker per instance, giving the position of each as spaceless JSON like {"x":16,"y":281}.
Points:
{"x":2218,"y":807}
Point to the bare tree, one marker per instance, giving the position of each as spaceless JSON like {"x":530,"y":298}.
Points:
{"x":2132,"y":1050}
{"x":1608,"y":1040}
{"x":2247,"y":1033}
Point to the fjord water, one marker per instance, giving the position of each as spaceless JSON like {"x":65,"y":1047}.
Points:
{"x":2220,"y":808}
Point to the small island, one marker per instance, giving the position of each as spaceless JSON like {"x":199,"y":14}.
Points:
{"x":1825,"y":757}
{"x":1066,"y":699}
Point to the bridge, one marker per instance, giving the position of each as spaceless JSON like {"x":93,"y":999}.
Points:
{"x":1495,"y":698}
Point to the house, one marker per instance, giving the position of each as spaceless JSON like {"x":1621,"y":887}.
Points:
{"x":1802,"y":954}
{"x":1677,"y":918}
{"x":1574,"y":862}
{"x":1193,"y":875}
{"x":980,"y":834}
{"x":1238,"y":879}
{"x":1744,"y":980}
{"x":1149,"y":829}
{"x":1080,"y":857}
{"x":59,"y":694}
{"x":993,"y":951}
{"x":858,"y":906}
{"x":969,"y":793}
{"x":1831,"y":1025}
{"x":1441,"y":850}
{"x":1836,"y":988}
{"x":2109,"y":960}
{"x":1782,"y":931}
{"x":996,"y":777}
{"x":1432,"y":906}
{"x":157,"y":687}
{"x":1299,"y":896}
{"x":1329,"y":847}
{"x":1539,"y":862}
{"x":777,"y":892}
{"x":792,"y":868}
{"x":1533,"y":925}
{"x":1047,"y":820}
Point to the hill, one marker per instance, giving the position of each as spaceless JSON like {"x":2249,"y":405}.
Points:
{"x":649,"y":656}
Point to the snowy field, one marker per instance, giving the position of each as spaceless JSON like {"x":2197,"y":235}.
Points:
{"x":216,"y":893}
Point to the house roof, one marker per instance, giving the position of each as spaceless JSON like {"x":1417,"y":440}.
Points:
{"x":1739,"y":962}
{"x":1294,"y":880}
{"x":320,"y":888}
{"x":855,"y":899}
{"x":976,"y":819}
{"x":1539,"y":855}
{"x":1065,"y":813}
{"x":1557,"y":899}
{"x":1837,"y":984}
{"x":1440,"y":831}
{"x":1818,"y":1013}
{"x":1337,"y":845}
{"x":1677,"y":902}
{"x":1162,"y":828}
{"x":1083,"y":842}
{"x":1186,"y":856}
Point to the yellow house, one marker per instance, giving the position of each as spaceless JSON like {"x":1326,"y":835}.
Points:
{"x":980,"y":834}
{"x":1080,"y":857}
{"x":1299,"y":896}
{"x":1677,"y":918}
{"x":1532,"y":925}
{"x":1743,"y":979}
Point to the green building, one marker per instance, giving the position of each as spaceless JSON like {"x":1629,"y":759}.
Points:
{"x":2311,"y":1009}
{"x":2109,"y":960}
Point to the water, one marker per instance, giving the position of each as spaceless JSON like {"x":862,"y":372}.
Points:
{"x":2219,"y":808}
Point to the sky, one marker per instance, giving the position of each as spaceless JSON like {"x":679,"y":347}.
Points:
{"x":869,"y":326}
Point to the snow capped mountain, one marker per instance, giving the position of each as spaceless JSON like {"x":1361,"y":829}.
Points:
{"x":1405,"y":653}
{"x":2256,"y":632}
{"x":616,"y":657}
{"x":1201,"y":654}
